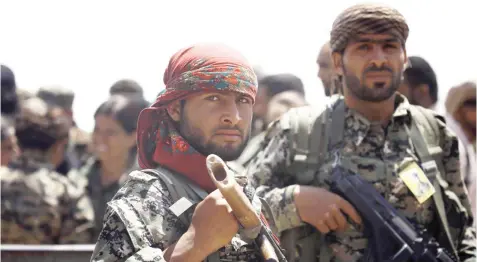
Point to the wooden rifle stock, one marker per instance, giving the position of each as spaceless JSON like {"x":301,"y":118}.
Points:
{"x":238,"y":201}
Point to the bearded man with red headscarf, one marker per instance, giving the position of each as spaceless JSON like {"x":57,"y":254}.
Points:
{"x":205,"y":109}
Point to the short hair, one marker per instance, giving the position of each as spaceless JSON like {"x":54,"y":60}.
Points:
{"x":126,"y":87}
{"x":123,"y":109}
{"x":420,"y":72}
{"x":279,"y":83}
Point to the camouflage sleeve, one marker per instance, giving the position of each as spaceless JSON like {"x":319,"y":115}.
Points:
{"x":77,"y":217}
{"x":138,"y":224}
{"x":466,"y":245}
{"x":115,"y":244}
{"x":267,"y":173}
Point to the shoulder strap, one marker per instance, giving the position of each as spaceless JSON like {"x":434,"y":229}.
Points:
{"x":430,"y":165}
{"x":310,"y":133}
{"x":184,"y":194}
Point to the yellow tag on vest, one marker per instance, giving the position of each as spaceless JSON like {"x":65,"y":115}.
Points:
{"x":417,"y":182}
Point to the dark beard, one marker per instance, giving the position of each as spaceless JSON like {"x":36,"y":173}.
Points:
{"x":196,"y":139}
{"x":378,"y":93}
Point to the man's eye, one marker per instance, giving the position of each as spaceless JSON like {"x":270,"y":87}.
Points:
{"x":364,"y":47}
{"x":245,"y":100}
{"x":213,"y":98}
{"x":390,"y":46}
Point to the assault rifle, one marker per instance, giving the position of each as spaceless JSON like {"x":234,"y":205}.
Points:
{"x":391,"y":236}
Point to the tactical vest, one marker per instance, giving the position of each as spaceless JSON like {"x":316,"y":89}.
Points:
{"x":184,"y":194}
{"x":314,"y":132}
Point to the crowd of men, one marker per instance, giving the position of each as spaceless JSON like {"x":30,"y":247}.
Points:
{"x":138,"y":186}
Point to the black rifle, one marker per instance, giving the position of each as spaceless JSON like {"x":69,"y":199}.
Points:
{"x":391,"y":236}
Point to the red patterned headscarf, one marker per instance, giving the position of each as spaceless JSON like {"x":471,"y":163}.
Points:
{"x":191,"y":71}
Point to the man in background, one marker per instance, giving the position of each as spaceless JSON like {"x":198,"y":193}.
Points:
{"x":420,"y":83}
{"x":268,"y":87}
{"x":329,"y":79}
{"x":460,"y":106}
{"x":77,"y":151}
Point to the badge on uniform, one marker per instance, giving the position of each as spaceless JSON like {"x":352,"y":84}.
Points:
{"x":417,"y":182}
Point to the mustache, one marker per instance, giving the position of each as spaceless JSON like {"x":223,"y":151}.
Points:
{"x":374,"y":68}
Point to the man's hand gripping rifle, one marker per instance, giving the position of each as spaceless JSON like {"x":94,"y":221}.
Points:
{"x":391,"y":236}
{"x":242,"y":208}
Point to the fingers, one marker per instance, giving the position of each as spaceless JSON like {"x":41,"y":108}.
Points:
{"x":330,"y":221}
{"x":348,"y":209}
{"x":320,"y":225}
{"x":340,"y":219}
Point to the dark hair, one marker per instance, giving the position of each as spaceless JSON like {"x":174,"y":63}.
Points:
{"x":279,"y":83}
{"x":123,"y":109}
{"x":420,"y":72}
{"x":126,"y":87}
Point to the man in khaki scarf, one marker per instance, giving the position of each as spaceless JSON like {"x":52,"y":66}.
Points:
{"x":460,"y":106}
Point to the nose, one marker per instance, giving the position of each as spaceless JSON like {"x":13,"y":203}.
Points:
{"x":378,"y":57}
{"x":231,"y":115}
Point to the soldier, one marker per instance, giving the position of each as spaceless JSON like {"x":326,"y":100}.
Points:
{"x":278,"y":105}
{"x":206,"y":108}
{"x":329,"y":80}
{"x":460,"y":106}
{"x":114,"y":146}
{"x":39,"y":206}
{"x":77,"y":151}
{"x":420,"y":83}
{"x":375,"y":133}
{"x":269,"y":86}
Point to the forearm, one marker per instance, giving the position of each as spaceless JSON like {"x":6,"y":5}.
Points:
{"x":282,"y":207}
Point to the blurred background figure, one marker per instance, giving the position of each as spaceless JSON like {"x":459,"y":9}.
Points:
{"x":24,"y":94}
{"x":127,"y":87}
{"x":460,"y":106}
{"x":329,"y":79}
{"x":40,"y":206}
{"x":9,"y":98}
{"x":114,"y":147}
{"x":9,"y":142}
{"x":76,"y":152}
{"x":282,"y":102}
{"x":420,"y":83}
{"x":268,"y":87}
{"x":278,"y":105}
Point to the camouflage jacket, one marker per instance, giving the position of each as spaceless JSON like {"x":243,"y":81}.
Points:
{"x":378,"y":154}
{"x":89,"y":178}
{"x":138,"y":225}
{"x":40,"y":206}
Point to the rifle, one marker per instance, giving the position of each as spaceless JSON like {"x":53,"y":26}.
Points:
{"x":391,"y":236}
{"x":242,"y":208}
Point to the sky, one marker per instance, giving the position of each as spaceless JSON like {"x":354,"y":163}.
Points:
{"x":88,"y":45}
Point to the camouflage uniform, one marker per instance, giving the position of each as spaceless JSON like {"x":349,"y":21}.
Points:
{"x":138,"y":225}
{"x":40,"y":206}
{"x":89,"y":178}
{"x":78,"y":148}
{"x":377,"y":154}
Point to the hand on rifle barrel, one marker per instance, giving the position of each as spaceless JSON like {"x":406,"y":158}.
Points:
{"x":323,"y":209}
{"x":213,"y":223}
